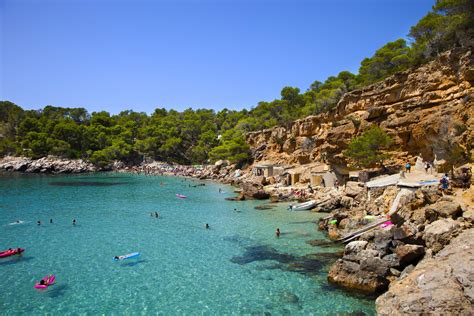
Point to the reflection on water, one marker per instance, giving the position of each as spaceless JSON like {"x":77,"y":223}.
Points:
{"x":86,"y":183}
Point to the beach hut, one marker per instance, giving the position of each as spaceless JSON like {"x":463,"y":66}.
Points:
{"x":353,"y":175}
{"x":294,"y":177}
{"x":323,"y":175}
{"x":263,"y":170}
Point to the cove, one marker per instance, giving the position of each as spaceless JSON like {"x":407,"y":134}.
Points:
{"x":237,"y":266}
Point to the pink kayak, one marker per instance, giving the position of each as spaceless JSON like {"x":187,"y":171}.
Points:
{"x":11,"y":252}
{"x":48,"y":280}
{"x":181,"y":196}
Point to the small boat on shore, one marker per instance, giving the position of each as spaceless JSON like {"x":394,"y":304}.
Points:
{"x":303,"y":206}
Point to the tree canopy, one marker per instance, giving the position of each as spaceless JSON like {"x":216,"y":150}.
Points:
{"x":366,"y":149}
{"x":197,"y":136}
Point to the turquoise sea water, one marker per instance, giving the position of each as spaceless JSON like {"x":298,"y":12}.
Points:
{"x":238,"y":266}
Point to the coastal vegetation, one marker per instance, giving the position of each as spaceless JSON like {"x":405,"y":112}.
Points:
{"x":366,"y":148}
{"x":199,"y":136}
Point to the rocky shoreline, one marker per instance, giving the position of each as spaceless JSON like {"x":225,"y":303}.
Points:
{"x":45,"y":165}
{"x":423,"y":231}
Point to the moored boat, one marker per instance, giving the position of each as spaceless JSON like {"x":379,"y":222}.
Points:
{"x":303,"y":206}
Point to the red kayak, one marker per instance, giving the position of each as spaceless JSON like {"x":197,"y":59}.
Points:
{"x":11,"y":252}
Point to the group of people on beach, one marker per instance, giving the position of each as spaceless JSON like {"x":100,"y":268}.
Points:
{"x":426,"y":165}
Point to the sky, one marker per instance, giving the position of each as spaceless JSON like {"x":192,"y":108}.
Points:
{"x":142,"y":54}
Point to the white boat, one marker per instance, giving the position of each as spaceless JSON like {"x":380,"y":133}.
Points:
{"x":303,"y":206}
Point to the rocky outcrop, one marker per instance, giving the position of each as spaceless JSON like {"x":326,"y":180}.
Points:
{"x":439,"y":233}
{"x":425,"y":223}
{"x":441,"y":285}
{"x":252,"y":191}
{"x":45,"y":165}
{"x":423,"y":110}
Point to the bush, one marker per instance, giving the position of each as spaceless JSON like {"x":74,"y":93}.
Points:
{"x":365,"y":149}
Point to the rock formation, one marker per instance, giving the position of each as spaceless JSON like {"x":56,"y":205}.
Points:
{"x":439,"y":285}
{"x":45,"y":165}
{"x":424,"y":110}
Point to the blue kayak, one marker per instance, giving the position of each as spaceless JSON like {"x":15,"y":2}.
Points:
{"x":128,"y":256}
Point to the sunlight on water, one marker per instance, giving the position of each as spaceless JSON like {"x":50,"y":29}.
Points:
{"x":237,"y":266}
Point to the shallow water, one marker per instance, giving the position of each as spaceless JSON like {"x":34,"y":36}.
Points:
{"x":238,"y":266}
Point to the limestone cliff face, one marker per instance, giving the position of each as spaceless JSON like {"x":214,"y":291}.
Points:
{"x":422,"y":109}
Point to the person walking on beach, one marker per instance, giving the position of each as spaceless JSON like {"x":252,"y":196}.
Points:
{"x":277,"y":232}
{"x":444,"y":182}
{"x":427,"y":166}
{"x":408,"y":167}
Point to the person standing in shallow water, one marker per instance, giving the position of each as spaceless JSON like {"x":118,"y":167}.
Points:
{"x":74,"y":222}
{"x":50,"y":220}
{"x":38,"y":222}
{"x":277,"y":232}
{"x":207,"y":226}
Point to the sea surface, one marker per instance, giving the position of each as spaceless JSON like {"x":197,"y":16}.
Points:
{"x":237,"y":267}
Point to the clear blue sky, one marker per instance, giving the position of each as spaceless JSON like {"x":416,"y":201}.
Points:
{"x":117,"y":55}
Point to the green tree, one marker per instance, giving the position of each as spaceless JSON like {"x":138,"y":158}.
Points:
{"x":389,"y":59}
{"x":366,"y":148}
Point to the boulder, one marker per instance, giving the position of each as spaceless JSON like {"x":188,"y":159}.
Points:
{"x":404,"y":232}
{"x":441,"y":285}
{"x":353,"y":189}
{"x":409,"y":253}
{"x":355,"y":247}
{"x":439,"y":233}
{"x":392,"y":260}
{"x":362,"y":255}
{"x":333,"y":234}
{"x":445,"y":209}
{"x":469,"y":215}
{"x":346,"y":201}
{"x":350,"y":276}
{"x":253,"y":191}
{"x":375,"y":265}
{"x":382,"y":240}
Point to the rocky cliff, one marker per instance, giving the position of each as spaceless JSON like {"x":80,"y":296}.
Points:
{"x":425,"y":110}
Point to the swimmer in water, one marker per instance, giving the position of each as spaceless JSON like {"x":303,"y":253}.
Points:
{"x":277,"y":232}
{"x":207,"y":226}
{"x":74,"y":221}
